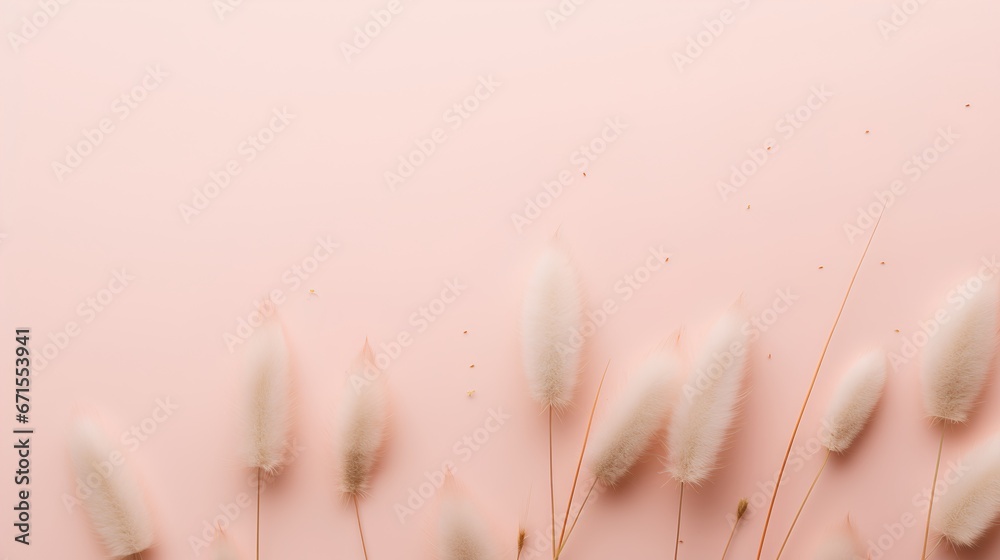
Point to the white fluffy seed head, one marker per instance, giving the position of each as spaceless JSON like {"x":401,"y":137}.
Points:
{"x":705,"y":415}
{"x":841,"y":545}
{"x":958,"y":357}
{"x":462,"y":532}
{"x":552,"y":346}
{"x":854,"y":401}
{"x":640,"y":413}
{"x":224,"y":550}
{"x":971,"y":505}
{"x":116,"y":506}
{"x":363,"y":425}
{"x":268,"y":398}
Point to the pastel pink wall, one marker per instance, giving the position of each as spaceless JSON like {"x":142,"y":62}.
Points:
{"x":879,"y":97}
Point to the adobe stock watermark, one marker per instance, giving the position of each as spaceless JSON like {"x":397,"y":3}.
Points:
{"x":956,"y":299}
{"x":463,"y":451}
{"x":899,"y":17}
{"x":699,"y":42}
{"x":893,"y":532}
{"x":419,"y":320}
{"x":365,"y":33}
{"x":454,"y":117}
{"x":231,"y":510}
{"x":87,"y":311}
{"x":32,"y":25}
{"x":913,"y":169}
{"x":292,"y":279}
{"x":246,"y":152}
{"x":561,"y":12}
{"x":625,"y":288}
{"x":130,"y":440}
{"x":786,"y":127}
{"x":121,"y":108}
{"x":223,"y":8}
{"x":579,"y":162}
{"x":753,"y":328}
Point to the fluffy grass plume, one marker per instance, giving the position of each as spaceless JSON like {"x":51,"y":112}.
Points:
{"x":971,"y":505}
{"x":553,"y":308}
{"x":362,"y":429}
{"x":957,"y":359}
{"x":854,"y":401}
{"x":462,"y":532}
{"x":635,"y":420}
{"x":707,"y":409}
{"x":268,"y":398}
{"x":116,"y":506}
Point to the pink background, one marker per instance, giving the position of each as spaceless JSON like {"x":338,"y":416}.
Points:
{"x":654,"y":186}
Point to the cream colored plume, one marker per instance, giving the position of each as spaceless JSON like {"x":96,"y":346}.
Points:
{"x":224,"y":550}
{"x":854,"y":402}
{"x":269,"y":407}
{"x":115,"y":504}
{"x":842,"y":545}
{"x":463,"y":534}
{"x":363,"y":424}
{"x":640,"y":413}
{"x":957,"y":358}
{"x":971,"y":505}
{"x":707,"y":409}
{"x":552,"y":344}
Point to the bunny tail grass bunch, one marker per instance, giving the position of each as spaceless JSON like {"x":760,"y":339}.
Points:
{"x":268,"y":395}
{"x":116,"y":507}
{"x":634,"y":421}
{"x":972,"y":504}
{"x":812,"y":385}
{"x":462,"y":533}
{"x":628,"y":431}
{"x":707,"y":410}
{"x":850,"y":409}
{"x":362,"y":429}
{"x":553,"y":310}
{"x":956,"y":362}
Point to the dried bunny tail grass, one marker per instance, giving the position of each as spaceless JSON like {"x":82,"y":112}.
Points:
{"x":635,"y":420}
{"x":462,"y":532}
{"x":707,"y":410}
{"x":957,"y":359}
{"x":854,"y":402}
{"x":553,"y":308}
{"x":116,"y":506}
{"x":268,"y":398}
{"x":224,"y":550}
{"x":842,"y":545}
{"x":972,"y":504}
{"x":363,"y":425}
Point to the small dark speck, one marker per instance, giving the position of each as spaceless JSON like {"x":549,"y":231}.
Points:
{"x":821,"y":267}
{"x":465,"y":332}
{"x":897,"y":330}
{"x":472,"y":365}
{"x":867,"y":132}
{"x":968,"y":104}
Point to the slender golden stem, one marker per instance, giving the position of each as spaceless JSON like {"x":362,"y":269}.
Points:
{"x":680,"y":508}
{"x":939,"y":541}
{"x":802,"y":506}
{"x":731,"y":535}
{"x":583,"y":450}
{"x":930,"y":506}
{"x":357,"y":513}
{"x":258,"y":513}
{"x":552,"y":488}
{"x":812,"y":384}
{"x":576,"y":518}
